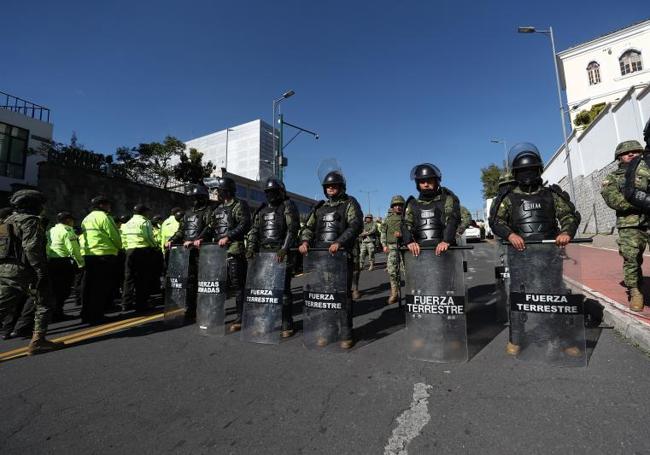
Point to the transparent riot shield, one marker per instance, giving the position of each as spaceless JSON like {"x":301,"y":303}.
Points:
{"x":176,"y":285}
{"x":325,"y":297}
{"x":436,"y":328}
{"x":262,"y":314}
{"x":546,"y":311}
{"x":211,"y":290}
{"x":501,"y":283}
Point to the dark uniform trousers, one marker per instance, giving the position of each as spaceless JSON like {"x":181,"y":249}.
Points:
{"x":62,"y":274}
{"x":97,"y":287}
{"x":141,"y":271}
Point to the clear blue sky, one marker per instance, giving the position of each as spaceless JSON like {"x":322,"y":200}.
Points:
{"x":386,"y":84}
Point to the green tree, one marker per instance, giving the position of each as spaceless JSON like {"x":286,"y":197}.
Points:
{"x":584,"y":117}
{"x":191,"y":168}
{"x":150,"y":163}
{"x":490,"y":179}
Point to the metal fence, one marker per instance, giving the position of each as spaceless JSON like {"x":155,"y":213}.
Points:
{"x":24,"y":107}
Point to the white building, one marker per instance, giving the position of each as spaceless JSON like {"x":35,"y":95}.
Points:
{"x":603,"y":69}
{"x":245,"y":150}
{"x":24,"y":129}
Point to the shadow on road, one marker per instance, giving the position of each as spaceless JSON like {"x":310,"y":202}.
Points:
{"x":482,"y":324}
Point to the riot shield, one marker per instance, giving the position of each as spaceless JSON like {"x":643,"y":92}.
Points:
{"x":501,"y":283}
{"x":546,"y":315}
{"x":176,"y":285}
{"x":211,"y":290}
{"x":325,"y":297}
{"x":262,"y":314}
{"x":436,"y":327}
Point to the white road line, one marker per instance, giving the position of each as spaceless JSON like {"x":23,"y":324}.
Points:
{"x":411,"y":422}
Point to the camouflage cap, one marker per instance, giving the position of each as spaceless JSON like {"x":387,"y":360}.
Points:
{"x":397,"y":200}
{"x":627,"y":146}
{"x":506,"y":178}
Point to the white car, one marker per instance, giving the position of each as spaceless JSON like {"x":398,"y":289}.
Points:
{"x":472,"y":234}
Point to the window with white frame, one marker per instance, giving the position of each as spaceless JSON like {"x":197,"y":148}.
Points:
{"x":593,"y":71}
{"x":630,"y":62}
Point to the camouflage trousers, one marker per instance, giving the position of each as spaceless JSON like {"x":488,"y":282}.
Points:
{"x":367,"y":249}
{"x":394,"y":264}
{"x":632,"y":243}
{"x":14,"y":295}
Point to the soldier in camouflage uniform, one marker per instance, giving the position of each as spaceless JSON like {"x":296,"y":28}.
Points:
{"x":631,"y":223}
{"x":636,"y":189}
{"x":390,"y":241}
{"x":432,"y":218}
{"x":335,"y":223}
{"x":532,"y":211}
{"x":368,"y":237}
{"x":228,"y":225}
{"x":465,"y":219}
{"x":275,"y":229}
{"x":23,"y":266}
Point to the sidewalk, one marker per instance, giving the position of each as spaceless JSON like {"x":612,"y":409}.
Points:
{"x":600,"y":276}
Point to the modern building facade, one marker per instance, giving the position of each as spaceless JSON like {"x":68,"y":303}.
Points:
{"x":25,"y":130}
{"x":245,"y":150}
{"x":603,"y":69}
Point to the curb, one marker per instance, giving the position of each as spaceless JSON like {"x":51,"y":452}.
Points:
{"x":633,"y":327}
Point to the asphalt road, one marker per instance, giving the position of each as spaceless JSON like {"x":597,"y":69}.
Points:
{"x":152,"y":390}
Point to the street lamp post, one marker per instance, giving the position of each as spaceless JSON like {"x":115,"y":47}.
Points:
{"x":368,"y":194}
{"x":549,"y":32}
{"x":505,"y":151}
{"x":276,"y":102}
{"x":280,"y":157}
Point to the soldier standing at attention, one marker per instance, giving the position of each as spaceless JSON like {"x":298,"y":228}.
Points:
{"x":631,"y":223}
{"x":368,"y":237}
{"x":390,"y":241}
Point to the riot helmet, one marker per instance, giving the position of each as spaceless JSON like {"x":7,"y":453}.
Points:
{"x":275,"y":191}
{"x":526,"y":164}
{"x":226,"y":187}
{"x":426,"y":171}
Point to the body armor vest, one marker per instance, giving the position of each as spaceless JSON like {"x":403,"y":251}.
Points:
{"x":272,"y":226}
{"x":193,"y":224}
{"x":221,"y":220}
{"x":533,"y":215}
{"x":331,"y":222}
{"x":428,"y":226}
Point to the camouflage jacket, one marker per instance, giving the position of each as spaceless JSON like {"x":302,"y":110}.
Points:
{"x":32,"y":243}
{"x":565,"y":213}
{"x":389,"y":227}
{"x":612,"y":192}
{"x":369,"y":233}
{"x":637,"y":176}
{"x":465,"y":219}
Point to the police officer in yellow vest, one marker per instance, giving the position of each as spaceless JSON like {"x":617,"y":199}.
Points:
{"x":63,"y":260}
{"x":169,"y":227}
{"x":101,"y":244}
{"x":140,"y":265}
